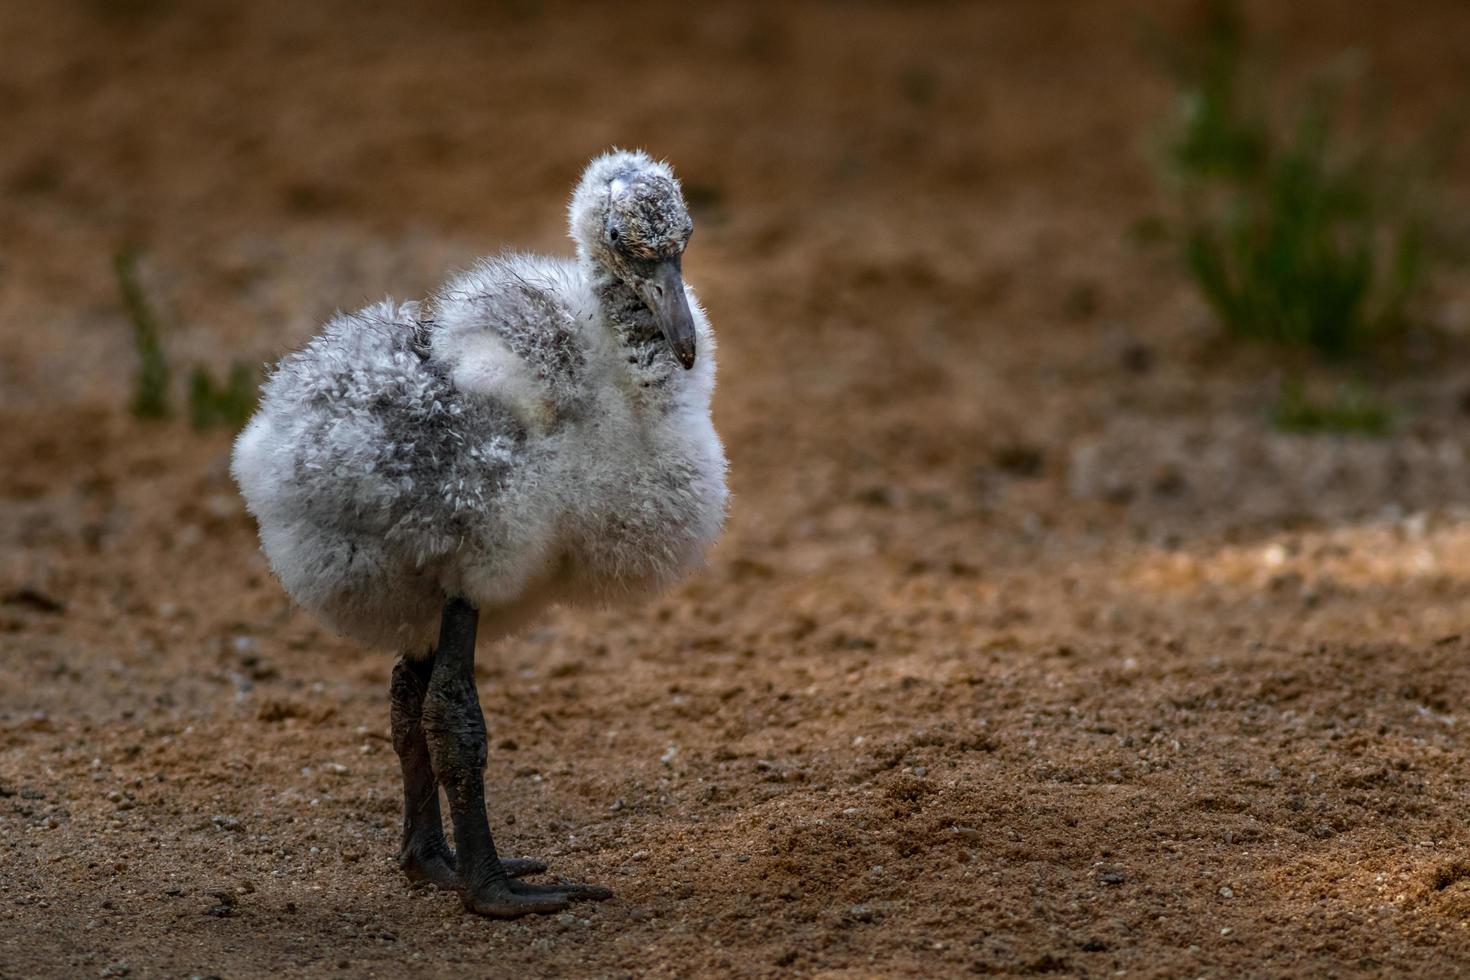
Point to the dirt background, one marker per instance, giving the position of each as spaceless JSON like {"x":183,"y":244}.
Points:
{"x":1030,"y":648}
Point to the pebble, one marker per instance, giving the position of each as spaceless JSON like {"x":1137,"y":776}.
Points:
{"x":225,"y":908}
{"x":1226,"y":891}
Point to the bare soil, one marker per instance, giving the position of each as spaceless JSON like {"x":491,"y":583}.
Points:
{"x":1030,"y":649}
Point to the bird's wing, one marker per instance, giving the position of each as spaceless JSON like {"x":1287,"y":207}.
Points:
{"x":373,"y":440}
{"x":508,"y":329}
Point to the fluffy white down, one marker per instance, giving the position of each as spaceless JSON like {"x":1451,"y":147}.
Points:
{"x":504,"y":448}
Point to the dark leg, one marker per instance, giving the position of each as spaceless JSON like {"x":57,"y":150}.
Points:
{"x":425,"y":855}
{"x":454,"y":729}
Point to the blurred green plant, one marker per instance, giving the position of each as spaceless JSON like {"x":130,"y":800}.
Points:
{"x":150,"y":385}
{"x":1293,"y":233}
{"x":228,"y":403}
{"x":1353,"y":409}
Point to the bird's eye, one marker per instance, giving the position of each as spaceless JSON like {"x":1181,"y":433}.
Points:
{"x":612,"y":235}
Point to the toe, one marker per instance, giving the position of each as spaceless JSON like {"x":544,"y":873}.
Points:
{"x":521,"y":867}
{"x":578,"y":892}
{"x":569,"y":890}
{"x":512,"y":905}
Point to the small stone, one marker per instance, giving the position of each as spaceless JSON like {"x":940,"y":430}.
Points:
{"x":863,"y":913}
{"x":34,"y":599}
{"x":225,"y":907}
{"x":1226,"y":891}
{"x":1136,"y":358}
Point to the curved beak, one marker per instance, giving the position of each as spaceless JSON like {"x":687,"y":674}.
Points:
{"x":663,"y":292}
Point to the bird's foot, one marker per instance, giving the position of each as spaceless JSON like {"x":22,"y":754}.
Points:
{"x":432,"y":862}
{"x":429,"y":861}
{"x":513,"y":899}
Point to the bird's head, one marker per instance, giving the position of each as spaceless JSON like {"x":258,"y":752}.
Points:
{"x":628,"y":215}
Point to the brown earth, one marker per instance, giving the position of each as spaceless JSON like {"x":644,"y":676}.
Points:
{"x":1030,"y":649}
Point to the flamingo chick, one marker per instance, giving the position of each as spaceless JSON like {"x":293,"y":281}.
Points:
{"x":536,"y":432}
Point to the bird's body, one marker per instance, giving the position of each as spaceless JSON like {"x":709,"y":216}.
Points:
{"x":538,"y":431}
{"x":514,"y":443}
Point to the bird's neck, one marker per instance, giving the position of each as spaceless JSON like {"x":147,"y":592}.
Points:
{"x":637,"y":335}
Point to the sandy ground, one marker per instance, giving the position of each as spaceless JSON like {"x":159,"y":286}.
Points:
{"x":1030,"y":648}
